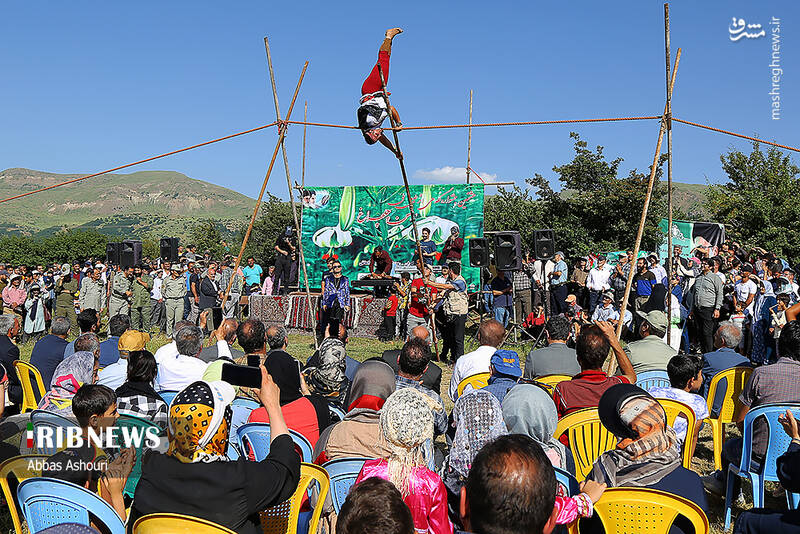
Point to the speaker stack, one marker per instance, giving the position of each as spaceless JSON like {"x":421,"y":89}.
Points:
{"x":507,"y":251}
{"x":112,"y":253}
{"x":130,"y":253}
{"x":544,"y":244}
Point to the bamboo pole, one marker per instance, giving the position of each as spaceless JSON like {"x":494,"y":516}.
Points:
{"x":411,"y":207}
{"x":640,"y":231}
{"x":301,"y":256}
{"x":469,"y":135}
{"x":669,"y":175}
{"x":281,"y":135}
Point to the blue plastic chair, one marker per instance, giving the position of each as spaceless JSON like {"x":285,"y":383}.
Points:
{"x":59,"y":424}
{"x":255,"y":438}
{"x":45,"y":502}
{"x":568,"y":482}
{"x":767,"y":470}
{"x":652,"y":379}
{"x":242,"y":408}
{"x":168,"y":396}
{"x":337,"y":414}
{"x":343,"y":473}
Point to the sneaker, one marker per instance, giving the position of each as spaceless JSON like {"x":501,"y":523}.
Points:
{"x":714,"y":483}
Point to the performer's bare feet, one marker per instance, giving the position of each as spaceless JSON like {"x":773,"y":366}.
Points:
{"x":391,"y":32}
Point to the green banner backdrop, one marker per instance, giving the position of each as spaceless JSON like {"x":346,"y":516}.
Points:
{"x":351,"y":221}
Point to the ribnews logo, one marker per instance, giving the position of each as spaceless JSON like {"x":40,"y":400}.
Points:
{"x":111,"y":437}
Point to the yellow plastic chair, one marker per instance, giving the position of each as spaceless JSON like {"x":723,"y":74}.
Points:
{"x":642,"y":510}
{"x":587,"y":438}
{"x":675,"y":409}
{"x":477,"y":381}
{"x":12,"y":472}
{"x":551,"y":381}
{"x":282,"y":519}
{"x":736,"y":378}
{"x":29,"y":394}
{"x":177,"y":524}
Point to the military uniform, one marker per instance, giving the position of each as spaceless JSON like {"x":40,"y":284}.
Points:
{"x":91,"y":294}
{"x":119,"y":303}
{"x":173,"y":290}
{"x":65,"y":300}
{"x":140,"y":303}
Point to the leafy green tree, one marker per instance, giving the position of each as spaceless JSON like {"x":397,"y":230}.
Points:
{"x":759,"y":204}
{"x":206,"y":235}
{"x":514,"y":209}
{"x":274,"y":216}
{"x":60,"y":247}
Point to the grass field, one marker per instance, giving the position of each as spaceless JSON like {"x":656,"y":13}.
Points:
{"x":362,"y":349}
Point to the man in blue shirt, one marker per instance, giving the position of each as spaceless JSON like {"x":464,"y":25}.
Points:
{"x":109,"y":349}
{"x":428,"y":247}
{"x":49,"y":351}
{"x":252,"y":274}
{"x":558,"y":284}
{"x":501,"y":290}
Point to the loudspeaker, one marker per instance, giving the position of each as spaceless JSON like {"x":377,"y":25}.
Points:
{"x":130,"y":253}
{"x":112,"y":253}
{"x":478,"y":252}
{"x":507,"y":251}
{"x":544,"y":244}
{"x":169,"y":249}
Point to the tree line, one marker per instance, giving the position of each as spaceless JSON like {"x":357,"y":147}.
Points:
{"x":594,"y":210}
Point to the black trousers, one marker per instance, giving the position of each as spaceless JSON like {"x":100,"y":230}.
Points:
{"x":453,"y":337}
{"x":283,"y":271}
{"x":705,"y":327}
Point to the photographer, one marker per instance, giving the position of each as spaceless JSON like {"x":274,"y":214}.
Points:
{"x":455,"y":307}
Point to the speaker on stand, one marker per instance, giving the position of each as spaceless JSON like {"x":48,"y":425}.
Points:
{"x":507,"y":251}
{"x":168,"y":247}
{"x":112,"y":253}
{"x":479,"y":252}
{"x":544,"y":244}
{"x":130,"y":253}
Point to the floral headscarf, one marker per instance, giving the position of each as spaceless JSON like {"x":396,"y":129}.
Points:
{"x":328,"y":378}
{"x":199,"y":422}
{"x":73,"y":372}
{"x":478,"y":418}
{"x":406,"y":423}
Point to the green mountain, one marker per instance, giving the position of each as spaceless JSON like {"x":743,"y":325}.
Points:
{"x":141,"y":204}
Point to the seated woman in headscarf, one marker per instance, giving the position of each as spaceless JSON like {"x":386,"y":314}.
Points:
{"x":307,"y":414}
{"x":136,"y":395}
{"x":327,"y":378}
{"x":477,"y":419}
{"x":195,"y":477}
{"x":406,"y":423}
{"x":73,"y":372}
{"x":359,"y":434}
{"x":528,"y":409}
{"x":648,"y":452}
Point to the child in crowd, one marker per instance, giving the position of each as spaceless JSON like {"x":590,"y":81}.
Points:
{"x":95,"y":407}
{"x":685,"y":377}
{"x":778,"y":313}
{"x":388,"y":329}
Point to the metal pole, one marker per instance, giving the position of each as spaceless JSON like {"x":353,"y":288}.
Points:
{"x":301,"y":256}
{"x":643,"y":218}
{"x":469,"y":135}
{"x":669,"y":176}
{"x":411,"y":207}
{"x":281,"y":135}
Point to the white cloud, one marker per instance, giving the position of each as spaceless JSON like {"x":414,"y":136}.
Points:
{"x":450,"y":174}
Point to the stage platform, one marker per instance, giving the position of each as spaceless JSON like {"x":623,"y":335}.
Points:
{"x":292,"y":311}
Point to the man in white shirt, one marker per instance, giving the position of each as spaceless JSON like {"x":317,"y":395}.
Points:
{"x":170,"y":350}
{"x":597,"y":282}
{"x":158,"y":314}
{"x":657,"y":269}
{"x":490,"y":336}
{"x":177,"y":372}
{"x":540,"y":283}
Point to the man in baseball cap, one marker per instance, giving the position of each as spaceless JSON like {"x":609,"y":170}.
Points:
{"x":650,"y":353}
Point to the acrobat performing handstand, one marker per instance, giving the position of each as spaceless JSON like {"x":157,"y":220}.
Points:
{"x":372,"y":109}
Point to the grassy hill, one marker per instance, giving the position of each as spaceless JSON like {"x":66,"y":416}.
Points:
{"x":141,"y":204}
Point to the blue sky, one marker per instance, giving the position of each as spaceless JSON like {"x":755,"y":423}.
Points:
{"x":90,"y":85}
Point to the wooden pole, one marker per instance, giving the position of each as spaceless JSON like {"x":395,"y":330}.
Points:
{"x":669,"y":175}
{"x":653,"y":168}
{"x":281,"y":135}
{"x":411,"y":207}
{"x":469,"y":135}
{"x":301,"y":256}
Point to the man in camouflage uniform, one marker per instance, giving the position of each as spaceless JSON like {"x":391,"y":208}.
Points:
{"x":66,"y":290}
{"x":173,"y":290}
{"x":140,"y":300}
{"x":119,"y":302}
